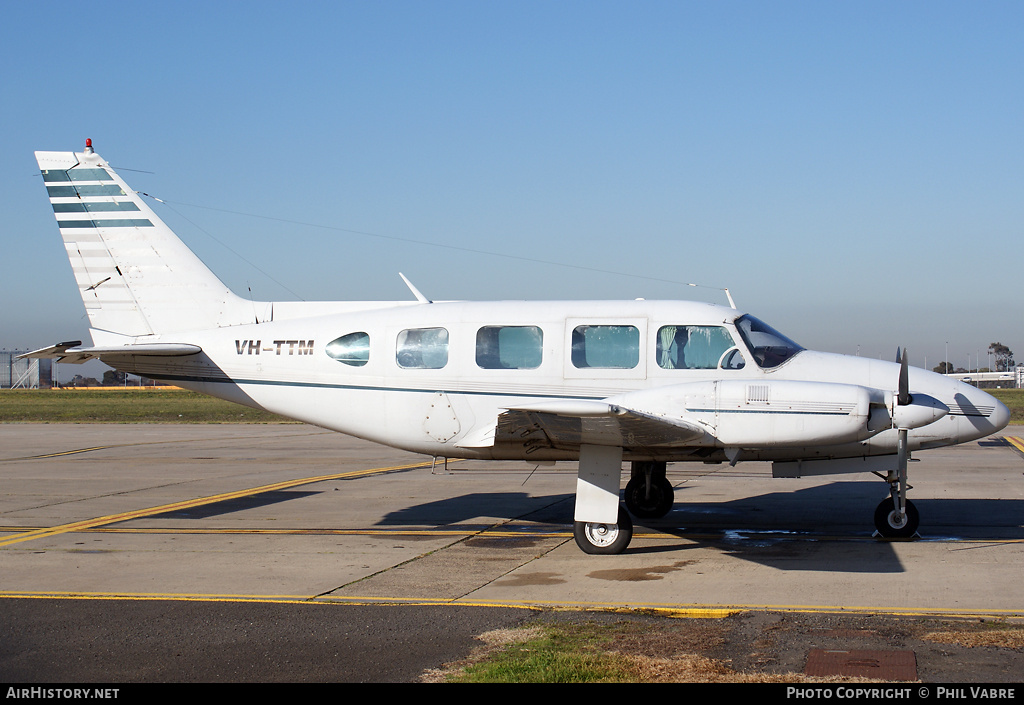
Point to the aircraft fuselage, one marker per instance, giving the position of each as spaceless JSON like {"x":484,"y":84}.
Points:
{"x":441,"y":394}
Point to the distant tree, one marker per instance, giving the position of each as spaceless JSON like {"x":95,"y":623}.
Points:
{"x":943,"y":368}
{"x":80,"y":381}
{"x":1003,"y":355}
{"x":114,"y":378}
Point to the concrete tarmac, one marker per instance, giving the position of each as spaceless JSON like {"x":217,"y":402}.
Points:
{"x":292,"y":513}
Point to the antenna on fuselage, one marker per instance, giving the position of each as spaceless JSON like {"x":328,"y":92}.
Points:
{"x":725,"y":289}
{"x":416,"y":292}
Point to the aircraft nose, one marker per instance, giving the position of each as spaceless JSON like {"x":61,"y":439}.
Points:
{"x":1001,"y":416}
{"x":985,"y":414}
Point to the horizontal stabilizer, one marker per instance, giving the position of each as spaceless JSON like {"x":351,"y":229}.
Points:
{"x":71,"y":353}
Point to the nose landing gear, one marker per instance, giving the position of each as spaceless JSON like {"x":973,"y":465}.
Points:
{"x":891,"y":523}
{"x":896,"y":517}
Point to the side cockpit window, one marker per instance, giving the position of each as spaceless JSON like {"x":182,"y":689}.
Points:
{"x":352,"y":349}
{"x":422,"y":348}
{"x":769,"y":347}
{"x":692,"y":347}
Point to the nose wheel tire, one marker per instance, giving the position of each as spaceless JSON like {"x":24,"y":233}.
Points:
{"x":891,"y":524}
{"x":604,"y":539}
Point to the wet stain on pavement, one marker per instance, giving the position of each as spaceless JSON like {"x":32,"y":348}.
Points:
{"x":527,"y":579}
{"x":633,"y":575}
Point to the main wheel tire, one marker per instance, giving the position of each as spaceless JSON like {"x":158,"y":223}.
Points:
{"x":653,"y":506}
{"x":891,"y":525}
{"x":604,"y":539}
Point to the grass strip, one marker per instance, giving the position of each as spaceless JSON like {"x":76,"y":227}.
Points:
{"x":123,"y":405}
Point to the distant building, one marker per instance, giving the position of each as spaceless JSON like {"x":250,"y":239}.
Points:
{"x":990,"y":380}
{"x":24,"y":374}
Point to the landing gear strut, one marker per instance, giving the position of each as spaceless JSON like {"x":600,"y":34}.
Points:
{"x":649,"y":494}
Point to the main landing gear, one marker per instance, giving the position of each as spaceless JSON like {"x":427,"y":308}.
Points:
{"x":604,"y":539}
{"x":648,"y":495}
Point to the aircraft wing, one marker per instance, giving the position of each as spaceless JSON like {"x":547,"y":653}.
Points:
{"x":70,"y":352}
{"x":571,"y":423}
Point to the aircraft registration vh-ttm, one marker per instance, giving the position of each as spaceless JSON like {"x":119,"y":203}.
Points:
{"x":598,"y":382}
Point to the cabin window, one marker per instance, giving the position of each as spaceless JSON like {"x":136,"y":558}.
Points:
{"x":352,"y":349}
{"x":692,"y":347}
{"x":509,"y":347}
{"x":422,"y":348}
{"x":608,"y":347}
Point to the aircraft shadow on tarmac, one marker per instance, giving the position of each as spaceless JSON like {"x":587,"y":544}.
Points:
{"x":237,"y":504}
{"x":484,"y":507}
{"x":828,"y":527}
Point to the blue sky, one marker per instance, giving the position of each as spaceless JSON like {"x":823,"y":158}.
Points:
{"x":852,"y":171}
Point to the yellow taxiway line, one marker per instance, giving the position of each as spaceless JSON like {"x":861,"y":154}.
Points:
{"x":190,"y":503}
{"x":469,"y":532}
{"x":1015,"y":442}
{"x":681,"y":611}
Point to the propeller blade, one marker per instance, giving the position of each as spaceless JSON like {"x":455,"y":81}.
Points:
{"x":903,"y":395}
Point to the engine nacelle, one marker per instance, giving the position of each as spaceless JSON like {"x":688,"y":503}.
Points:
{"x":755,"y":413}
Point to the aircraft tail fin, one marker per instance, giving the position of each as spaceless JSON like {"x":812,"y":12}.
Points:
{"x":135,"y":276}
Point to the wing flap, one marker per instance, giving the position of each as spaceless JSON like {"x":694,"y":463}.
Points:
{"x":566,"y":425}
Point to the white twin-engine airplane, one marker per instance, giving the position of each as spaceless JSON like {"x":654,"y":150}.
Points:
{"x":601,"y":382}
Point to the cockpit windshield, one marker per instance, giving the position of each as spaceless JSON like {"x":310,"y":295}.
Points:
{"x":769,"y":347}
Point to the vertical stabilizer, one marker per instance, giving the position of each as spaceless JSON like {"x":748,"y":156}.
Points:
{"x":134,"y":274}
